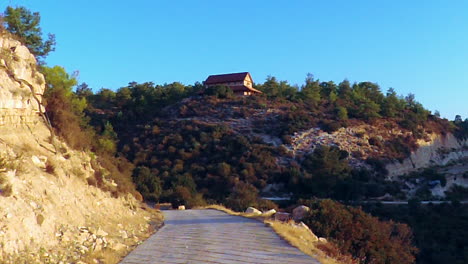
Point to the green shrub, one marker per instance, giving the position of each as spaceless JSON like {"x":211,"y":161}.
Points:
{"x":148,"y":184}
{"x":220,"y":91}
{"x":331,"y":126}
{"x":243,"y":196}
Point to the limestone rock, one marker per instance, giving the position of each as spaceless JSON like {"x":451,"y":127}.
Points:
{"x":252,"y":210}
{"x":101,"y":233}
{"x":269,"y":212}
{"x":38,"y":162}
{"x":323,"y":240}
{"x":59,"y":216}
{"x":440,"y":150}
{"x":21,"y":85}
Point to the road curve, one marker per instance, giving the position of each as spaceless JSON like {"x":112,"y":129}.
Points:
{"x":211,"y":236}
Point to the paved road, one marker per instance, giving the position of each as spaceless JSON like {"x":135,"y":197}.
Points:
{"x":210,"y":236}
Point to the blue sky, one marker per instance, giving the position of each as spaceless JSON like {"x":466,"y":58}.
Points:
{"x":418,"y":47}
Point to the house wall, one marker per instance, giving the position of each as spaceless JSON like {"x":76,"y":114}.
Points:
{"x":248,"y":81}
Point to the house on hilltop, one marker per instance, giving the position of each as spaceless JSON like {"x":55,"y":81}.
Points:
{"x":240,"y":83}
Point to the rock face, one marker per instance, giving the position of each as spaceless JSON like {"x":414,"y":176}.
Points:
{"x":48,"y":211}
{"x":435,"y":149}
{"x":439,"y":151}
{"x":21,"y":85}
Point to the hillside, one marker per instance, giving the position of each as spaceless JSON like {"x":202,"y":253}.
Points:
{"x":191,"y":147}
{"x":206,"y":145}
{"x":50,"y":211}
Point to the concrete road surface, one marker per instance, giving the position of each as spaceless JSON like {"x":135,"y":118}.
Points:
{"x":211,"y":236}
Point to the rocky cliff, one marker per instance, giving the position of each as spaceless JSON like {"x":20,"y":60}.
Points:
{"x":48,"y":211}
{"x":21,"y":85}
{"x":433,"y":150}
{"x":439,"y":151}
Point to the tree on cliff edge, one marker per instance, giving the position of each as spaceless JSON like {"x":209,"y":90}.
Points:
{"x":25,"y":25}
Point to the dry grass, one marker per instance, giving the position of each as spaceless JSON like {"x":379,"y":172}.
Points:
{"x":297,"y":236}
{"x":303,"y":239}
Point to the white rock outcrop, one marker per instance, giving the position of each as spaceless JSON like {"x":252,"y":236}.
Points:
{"x":439,"y":151}
{"x":21,"y":85}
{"x":49,"y":213}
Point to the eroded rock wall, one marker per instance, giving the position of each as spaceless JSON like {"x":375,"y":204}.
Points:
{"x":438,"y":152}
{"x":50,"y":212}
{"x":21,"y":85}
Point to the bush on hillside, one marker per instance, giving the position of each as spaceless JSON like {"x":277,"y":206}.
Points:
{"x":363,"y":236}
{"x":243,"y":196}
{"x":220,"y":91}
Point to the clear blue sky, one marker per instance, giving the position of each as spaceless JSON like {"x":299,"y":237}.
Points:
{"x":418,"y":47}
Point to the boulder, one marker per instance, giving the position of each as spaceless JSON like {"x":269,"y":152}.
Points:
{"x":300,"y":212}
{"x":269,"y":212}
{"x":181,"y":207}
{"x":281,"y":216}
{"x":252,"y":210}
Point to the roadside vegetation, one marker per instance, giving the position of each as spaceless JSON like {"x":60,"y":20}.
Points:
{"x":439,"y":229}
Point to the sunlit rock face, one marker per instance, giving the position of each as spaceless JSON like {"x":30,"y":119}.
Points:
{"x":49,"y":210}
{"x":21,"y":85}
{"x":441,"y":150}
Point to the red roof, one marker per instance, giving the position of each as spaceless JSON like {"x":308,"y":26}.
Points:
{"x":224,"y":78}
